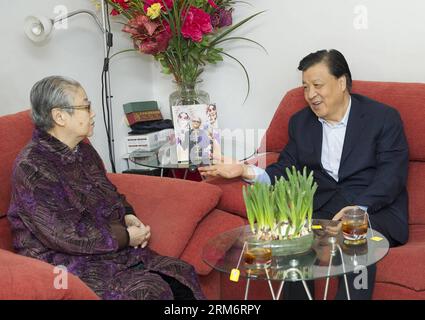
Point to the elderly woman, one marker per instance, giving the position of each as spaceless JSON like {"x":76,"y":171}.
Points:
{"x":65,"y":211}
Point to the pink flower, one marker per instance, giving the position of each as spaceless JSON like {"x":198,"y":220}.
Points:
{"x":197,"y":23}
{"x":149,"y":37}
{"x":164,"y":4}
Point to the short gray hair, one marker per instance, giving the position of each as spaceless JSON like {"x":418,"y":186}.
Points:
{"x":47,"y":94}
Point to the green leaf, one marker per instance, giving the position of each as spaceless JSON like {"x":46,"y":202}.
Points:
{"x":234,"y":27}
{"x":122,"y":51}
{"x":246,"y":73}
{"x":242,"y":38}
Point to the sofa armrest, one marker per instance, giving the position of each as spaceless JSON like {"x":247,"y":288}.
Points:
{"x":211,"y":226}
{"x":172,"y":207}
{"x":24,"y":278}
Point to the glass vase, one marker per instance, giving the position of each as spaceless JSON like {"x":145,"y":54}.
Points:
{"x":188,"y":94}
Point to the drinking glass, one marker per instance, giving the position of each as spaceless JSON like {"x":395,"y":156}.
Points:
{"x":258,"y":253}
{"x":354,"y":226}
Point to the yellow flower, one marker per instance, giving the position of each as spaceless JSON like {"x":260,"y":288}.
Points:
{"x":154,"y":11}
{"x":97,"y":4}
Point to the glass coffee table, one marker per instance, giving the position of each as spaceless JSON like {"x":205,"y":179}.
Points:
{"x":166,"y":159}
{"x":328,"y":257}
{"x":154,"y":159}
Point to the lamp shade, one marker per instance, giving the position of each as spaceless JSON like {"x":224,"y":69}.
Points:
{"x":38,"y":29}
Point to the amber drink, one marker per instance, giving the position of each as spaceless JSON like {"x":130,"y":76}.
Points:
{"x":354,"y":226}
{"x":258,"y":254}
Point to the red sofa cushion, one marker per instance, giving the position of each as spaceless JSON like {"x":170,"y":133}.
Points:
{"x":390,"y":291}
{"x":10,"y":145}
{"x":213,"y":224}
{"x":232,"y":199}
{"x":30,"y":279}
{"x":416,"y":189}
{"x":172,"y":207}
{"x":392,"y":269}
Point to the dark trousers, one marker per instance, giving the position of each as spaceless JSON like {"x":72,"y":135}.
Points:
{"x":296,"y":291}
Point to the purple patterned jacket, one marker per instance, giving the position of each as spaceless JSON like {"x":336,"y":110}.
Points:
{"x":61,"y":211}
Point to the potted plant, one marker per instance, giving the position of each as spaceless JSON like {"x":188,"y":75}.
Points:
{"x":282,"y":214}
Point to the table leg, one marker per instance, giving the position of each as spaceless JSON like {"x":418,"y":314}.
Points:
{"x":185,"y":174}
{"x":298,"y":271}
{"x":307,"y":290}
{"x":270,"y":284}
{"x":247,"y":288}
{"x":328,"y":278}
{"x":279,"y":293}
{"x":345,"y":274}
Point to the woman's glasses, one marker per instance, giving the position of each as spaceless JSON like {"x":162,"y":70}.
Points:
{"x":80,"y":107}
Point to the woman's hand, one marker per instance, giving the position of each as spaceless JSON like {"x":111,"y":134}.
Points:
{"x":132,"y":220}
{"x":139,"y":236}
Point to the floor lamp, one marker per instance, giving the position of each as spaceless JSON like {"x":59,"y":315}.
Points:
{"x":38,"y":29}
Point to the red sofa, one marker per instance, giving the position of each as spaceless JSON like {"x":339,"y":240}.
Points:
{"x":182,"y":215}
{"x":401,"y":273}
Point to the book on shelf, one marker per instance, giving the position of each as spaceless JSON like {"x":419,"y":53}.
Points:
{"x":142,"y":111}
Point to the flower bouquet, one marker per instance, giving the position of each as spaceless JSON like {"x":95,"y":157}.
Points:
{"x":182,"y":35}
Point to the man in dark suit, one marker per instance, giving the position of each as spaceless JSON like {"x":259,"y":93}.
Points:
{"x":356,"y":147}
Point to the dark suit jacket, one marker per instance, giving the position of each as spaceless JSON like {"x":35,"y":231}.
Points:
{"x":373,"y":167}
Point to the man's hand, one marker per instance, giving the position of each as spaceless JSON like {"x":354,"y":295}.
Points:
{"x":339,"y":215}
{"x":132,"y":220}
{"x":334,"y":230}
{"x":227,"y":168}
{"x":227,"y":171}
{"x":139,"y":236}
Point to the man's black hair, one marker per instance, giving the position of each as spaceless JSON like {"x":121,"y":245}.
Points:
{"x":335,"y":61}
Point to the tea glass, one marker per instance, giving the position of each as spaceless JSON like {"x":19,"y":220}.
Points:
{"x":258,"y":253}
{"x":354,"y":226}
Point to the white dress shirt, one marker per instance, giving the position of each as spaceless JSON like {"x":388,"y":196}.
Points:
{"x":333,"y":142}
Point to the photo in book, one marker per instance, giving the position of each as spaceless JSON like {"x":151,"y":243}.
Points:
{"x":196,"y":131}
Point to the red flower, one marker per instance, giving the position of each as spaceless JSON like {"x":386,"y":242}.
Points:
{"x":164,"y":4}
{"x":149,"y":37}
{"x":123,"y":4}
{"x":197,"y":23}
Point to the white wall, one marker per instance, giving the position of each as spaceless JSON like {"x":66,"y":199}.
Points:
{"x":391,"y":48}
{"x":76,"y":53}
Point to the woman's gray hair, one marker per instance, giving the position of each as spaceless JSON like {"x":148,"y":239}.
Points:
{"x":49,"y":93}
